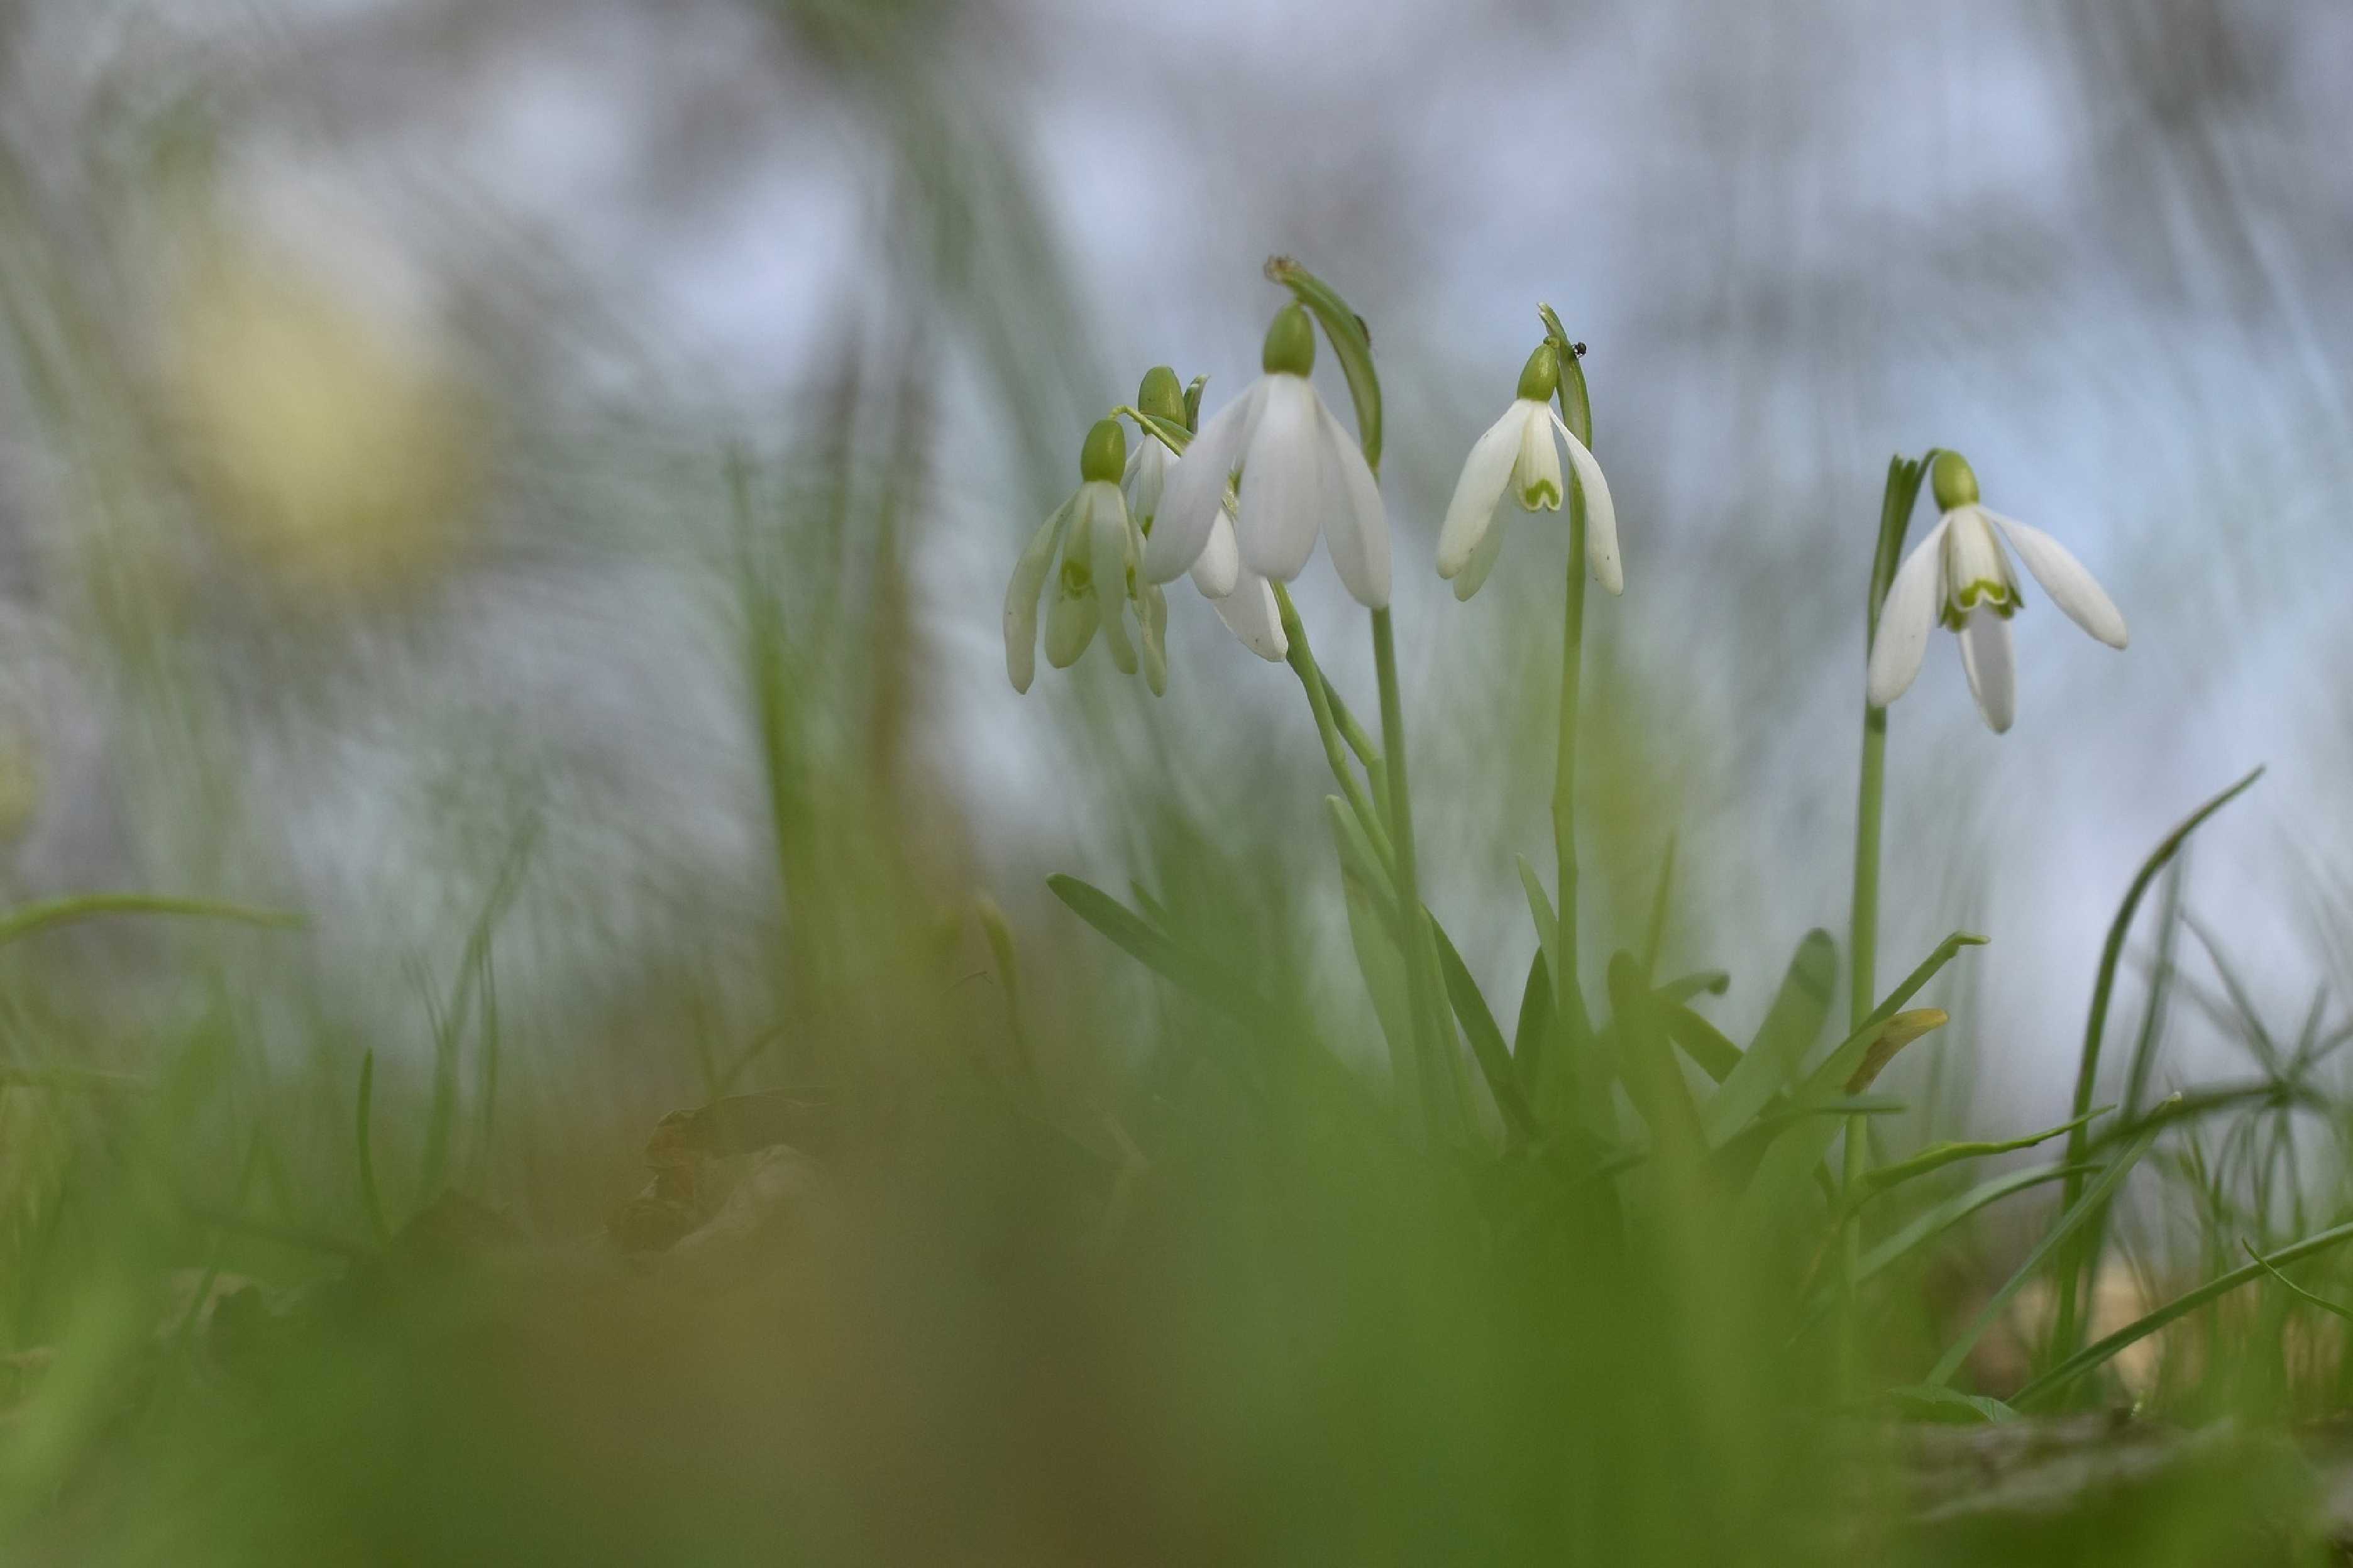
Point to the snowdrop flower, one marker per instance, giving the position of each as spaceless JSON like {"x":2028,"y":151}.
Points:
{"x":1296,"y":474}
{"x":1243,"y":599}
{"x":1100,"y":546}
{"x":1960,"y":574}
{"x":1517,"y":458}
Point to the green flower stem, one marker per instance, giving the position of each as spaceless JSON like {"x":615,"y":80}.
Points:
{"x":1863,"y":939}
{"x":1569,"y":988}
{"x":1321,"y":698}
{"x":1433,"y":1033}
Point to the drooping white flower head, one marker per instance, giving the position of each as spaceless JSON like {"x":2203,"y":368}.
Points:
{"x":1517,"y":456}
{"x":1961,"y":575}
{"x":1096,"y":585}
{"x":1295,"y":474}
{"x":1243,"y":599}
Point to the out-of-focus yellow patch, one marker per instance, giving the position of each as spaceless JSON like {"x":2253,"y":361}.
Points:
{"x":333,"y":447}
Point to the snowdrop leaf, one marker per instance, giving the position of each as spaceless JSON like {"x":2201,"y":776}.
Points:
{"x":1487,"y":1045}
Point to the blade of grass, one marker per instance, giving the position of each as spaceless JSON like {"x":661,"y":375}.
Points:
{"x":26,"y":919}
{"x":1937,"y":1156}
{"x":2069,"y":1220}
{"x":2077,"y":1264}
{"x":2094,"y":1355}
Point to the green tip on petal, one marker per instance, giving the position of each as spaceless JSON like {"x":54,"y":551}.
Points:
{"x":1541,"y":376}
{"x":1161,"y":396}
{"x":1955,"y":482}
{"x":1290,"y":343}
{"x":1104,"y":457}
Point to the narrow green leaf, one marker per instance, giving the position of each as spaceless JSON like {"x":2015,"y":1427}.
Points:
{"x":2073,"y":1216}
{"x":26,"y":919}
{"x":2094,"y":1355}
{"x":1701,"y":1040}
{"x":1149,"y":947}
{"x":1486,"y":1040}
{"x":2331,"y":1308}
{"x":1547,"y":923}
{"x":1529,"y":1035}
{"x":1684,"y":987}
{"x":1790,"y":1163}
{"x":2112,"y":952}
{"x":1653,"y":1079}
{"x":1790,"y":1026}
{"x":1937,"y":1156}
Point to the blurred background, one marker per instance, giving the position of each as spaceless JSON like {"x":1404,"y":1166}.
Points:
{"x":386,"y":385}
{"x":530,"y":487}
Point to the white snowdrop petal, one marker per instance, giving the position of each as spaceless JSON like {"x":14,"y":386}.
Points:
{"x":1486,"y":473}
{"x":1356,"y":527}
{"x":1906,"y":618}
{"x":1021,"y":598}
{"x":1277,"y":505}
{"x":1483,"y":559}
{"x":1250,"y":613}
{"x":1219,"y":565}
{"x":2071,"y":587}
{"x":1196,"y":489}
{"x":1992,"y":670}
{"x":1601,"y":511}
{"x":1108,"y":530}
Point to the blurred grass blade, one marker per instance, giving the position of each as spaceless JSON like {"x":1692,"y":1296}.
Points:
{"x":2326,"y":1305}
{"x":1486,"y":1039}
{"x":2094,"y":1355}
{"x":1701,"y":1040}
{"x":2066,"y":1226}
{"x":1926,"y":1227}
{"x":1156,"y":951}
{"x":26,"y":919}
{"x":1790,"y":1026}
{"x":1937,"y":1156}
{"x":1547,"y":923}
{"x":1684,"y":987}
{"x":2087,"y":1066}
{"x":1653,"y":1079}
{"x":1529,"y":1034}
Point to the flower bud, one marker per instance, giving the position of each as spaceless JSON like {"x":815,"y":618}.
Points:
{"x":1955,"y":482}
{"x":1540,"y":377}
{"x":1290,"y":343}
{"x":1104,"y":456}
{"x":1162,"y":397}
